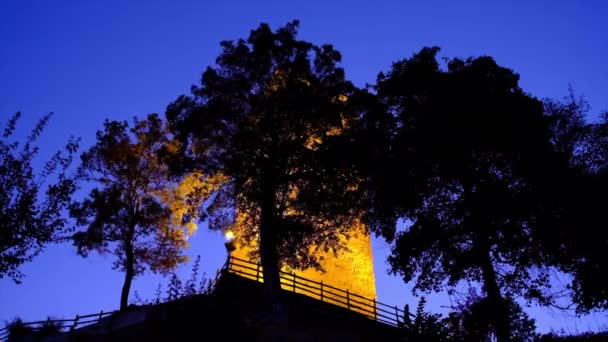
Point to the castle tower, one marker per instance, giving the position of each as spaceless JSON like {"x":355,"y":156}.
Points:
{"x":351,"y":270}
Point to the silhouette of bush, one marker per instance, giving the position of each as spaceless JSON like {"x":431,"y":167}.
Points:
{"x":177,"y":288}
{"x":50,"y":327}
{"x":587,"y":337}
{"x":18,"y":329}
{"x":425,"y":326}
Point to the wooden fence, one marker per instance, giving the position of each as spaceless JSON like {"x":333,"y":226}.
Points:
{"x":369,"y":307}
{"x":58,"y":325}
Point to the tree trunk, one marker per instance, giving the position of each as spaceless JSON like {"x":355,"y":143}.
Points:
{"x":269,"y":254}
{"x":268,"y":246}
{"x":268,"y":226}
{"x":129,"y":269}
{"x":500,"y":315}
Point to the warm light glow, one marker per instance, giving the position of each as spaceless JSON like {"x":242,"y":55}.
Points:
{"x":351,"y":269}
{"x":229,"y":235}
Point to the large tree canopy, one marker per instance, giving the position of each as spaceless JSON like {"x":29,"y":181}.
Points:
{"x":473,"y":148}
{"x":137,"y":210}
{"x":30,"y":216}
{"x":271,"y":116}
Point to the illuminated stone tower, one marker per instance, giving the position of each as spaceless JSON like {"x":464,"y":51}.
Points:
{"x":351,"y":270}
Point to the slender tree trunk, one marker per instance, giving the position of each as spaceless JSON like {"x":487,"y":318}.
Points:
{"x":129,"y":269}
{"x":499,"y":309}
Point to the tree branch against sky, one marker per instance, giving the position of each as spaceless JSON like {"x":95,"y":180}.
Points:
{"x":32,"y":203}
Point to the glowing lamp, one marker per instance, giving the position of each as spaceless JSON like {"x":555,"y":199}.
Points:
{"x":229,"y":235}
{"x":229,"y":244}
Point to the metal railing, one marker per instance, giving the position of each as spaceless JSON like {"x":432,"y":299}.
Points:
{"x":370,"y":308}
{"x":57,"y":325}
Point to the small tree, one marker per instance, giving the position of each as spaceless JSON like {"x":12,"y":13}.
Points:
{"x":29,"y":217}
{"x":137,"y":211}
{"x":190,"y":286}
{"x":426,"y":326}
{"x":174,"y":290}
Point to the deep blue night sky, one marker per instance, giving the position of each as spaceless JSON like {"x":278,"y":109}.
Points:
{"x":90,"y":60}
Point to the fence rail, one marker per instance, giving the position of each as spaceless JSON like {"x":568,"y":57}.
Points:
{"x":61,"y":325}
{"x":370,"y":308}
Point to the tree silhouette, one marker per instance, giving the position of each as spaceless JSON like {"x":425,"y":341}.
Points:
{"x":190,"y":287}
{"x":29,"y":217}
{"x":174,"y":289}
{"x":586,"y":234}
{"x":576,"y":236}
{"x":271,"y":116}
{"x":470,"y":321}
{"x":471,"y":149}
{"x":137,"y":210}
{"x":425,"y":326}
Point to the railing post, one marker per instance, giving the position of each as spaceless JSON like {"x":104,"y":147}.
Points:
{"x":75,"y":323}
{"x":375,"y":310}
{"x":257,"y":275}
{"x":294,"y":281}
{"x":347,"y":299}
{"x":396,"y":315}
{"x":100,"y":315}
{"x":321,"y":290}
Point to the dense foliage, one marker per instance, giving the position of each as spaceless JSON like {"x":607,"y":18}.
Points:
{"x":472,"y":148}
{"x":271,"y":116}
